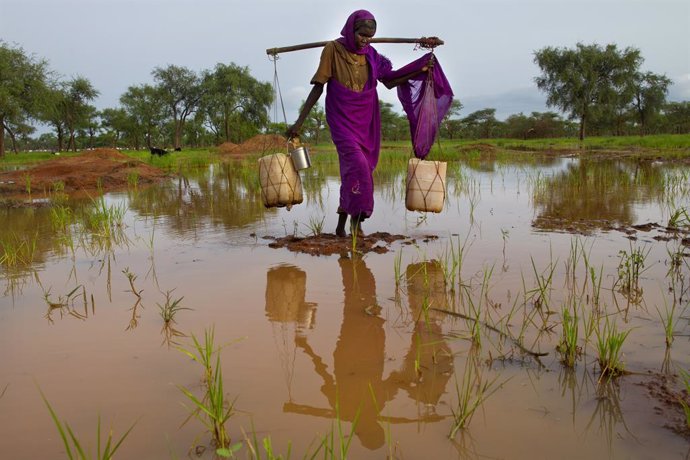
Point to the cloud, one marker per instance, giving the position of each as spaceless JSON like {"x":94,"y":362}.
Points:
{"x":512,"y":102}
{"x":680,"y":89}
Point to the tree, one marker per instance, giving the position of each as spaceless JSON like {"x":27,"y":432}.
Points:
{"x":677,"y":117}
{"x":519,"y":126}
{"x":23,"y":83}
{"x":585,"y":80}
{"x":181,"y":91}
{"x":230,"y":91}
{"x":450,"y":124}
{"x":54,"y":113}
{"x":146,"y":110}
{"x":649,"y":96}
{"x":76,"y":110}
{"x":315,"y":123}
{"x":116,"y":122}
{"x":481,"y":122}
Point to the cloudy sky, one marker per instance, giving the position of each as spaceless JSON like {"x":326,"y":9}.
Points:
{"x":488,"y":55}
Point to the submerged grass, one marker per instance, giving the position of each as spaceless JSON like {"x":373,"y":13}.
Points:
{"x":212,"y":409}
{"x":568,"y":346}
{"x":75,"y":449}
{"x":16,"y":251}
{"x":609,"y":348}
{"x":471,"y":394}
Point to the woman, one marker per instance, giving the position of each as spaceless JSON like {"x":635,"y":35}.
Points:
{"x":352,"y":68}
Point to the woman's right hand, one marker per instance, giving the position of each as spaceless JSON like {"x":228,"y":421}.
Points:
{"x":293,"y":131}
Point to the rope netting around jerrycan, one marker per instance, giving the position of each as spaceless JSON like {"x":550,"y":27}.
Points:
{"x":425,"y":101}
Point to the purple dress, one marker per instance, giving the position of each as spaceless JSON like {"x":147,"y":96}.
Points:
{"x":354,"y":119}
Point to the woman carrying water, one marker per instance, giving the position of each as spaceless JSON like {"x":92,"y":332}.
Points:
{"x":351,"y":68}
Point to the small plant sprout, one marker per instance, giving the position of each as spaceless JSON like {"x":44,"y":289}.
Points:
{"x":131,"y":277}
{"x":568,"y":347}
{"x":74,"y":448}
{"x":679,"y":218}
{"x":471,"y":394}
{"x":505,"y":234}
{"x":316,"y":225}
{"x":27,"y":182}
{"x":133,"y":179}
{"x":397,"y":265}
{"x":669,"y":318}
{"x":170,"y":308}
{"x":212,"y":409}
{"x":630,"y":267}
{"x":609,"y":348}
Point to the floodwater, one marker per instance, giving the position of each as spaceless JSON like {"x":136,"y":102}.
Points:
{"x":314,"y":346}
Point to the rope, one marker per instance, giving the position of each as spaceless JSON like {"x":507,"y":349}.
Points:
{"x":281,"y":163}
{"x":428,"y":93}
{"x":425,"y":193}
{"x":277,"y":94}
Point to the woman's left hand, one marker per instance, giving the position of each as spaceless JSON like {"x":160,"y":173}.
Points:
{"x":429,"y":65}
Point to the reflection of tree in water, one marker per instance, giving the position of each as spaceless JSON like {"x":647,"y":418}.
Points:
{"x":595,"y":193}
{"x":224,"y":195}
{"x":489,"y":159}
{"x":356,"y":389}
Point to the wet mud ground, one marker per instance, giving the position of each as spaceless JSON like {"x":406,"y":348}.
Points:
{"x":314,"y":334}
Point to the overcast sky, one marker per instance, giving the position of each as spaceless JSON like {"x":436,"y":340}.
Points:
{"x":488,"y":55}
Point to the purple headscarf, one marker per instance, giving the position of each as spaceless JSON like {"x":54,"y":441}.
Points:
{"x":354,"y":120}
{"x":348,"y":32}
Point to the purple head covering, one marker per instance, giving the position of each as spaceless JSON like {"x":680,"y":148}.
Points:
{"x":348,"y":32}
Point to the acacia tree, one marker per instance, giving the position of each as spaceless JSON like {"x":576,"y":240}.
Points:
{"x":181,"y":91}
{"x":115,"y":123}
{"x":146,"y":109}
{"x":54,"y":113}
{"x":649,"y":96}
{"x":231,"y":93}
{"x":585,"y":80}
{"x":315,"y":123}
{"x":450,"y":123}
{"x":23,"y":84}
{"x":481,"y":122}
{"x":75,"y":109}
{"x":676,"y":117}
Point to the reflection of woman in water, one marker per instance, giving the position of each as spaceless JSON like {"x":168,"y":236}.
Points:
{"x":357,"y":387}
{"x":358,"y":358}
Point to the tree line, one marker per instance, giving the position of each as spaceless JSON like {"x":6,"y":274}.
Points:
{"x":600,"y":91}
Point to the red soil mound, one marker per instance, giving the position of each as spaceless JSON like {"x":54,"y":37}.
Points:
{"x":263,"y":144}
{"x":106,"y":168}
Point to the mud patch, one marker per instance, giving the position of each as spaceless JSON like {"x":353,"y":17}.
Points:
{"x":106,"y":169}
{"x":668,"y":402}
{"x":327,"y":244}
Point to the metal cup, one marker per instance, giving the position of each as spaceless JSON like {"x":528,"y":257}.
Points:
{"x":300,"y":158}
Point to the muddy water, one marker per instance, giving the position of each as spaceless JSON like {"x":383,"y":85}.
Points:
{"x":311,"y":343}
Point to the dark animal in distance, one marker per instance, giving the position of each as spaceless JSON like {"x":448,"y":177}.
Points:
{"x":159,"y":152}
{"x":178,"y":149}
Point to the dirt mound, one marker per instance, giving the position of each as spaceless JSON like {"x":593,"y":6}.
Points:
{"x":263,"y":144}
{"x":104,"y":168}
{"x":227,"y":147}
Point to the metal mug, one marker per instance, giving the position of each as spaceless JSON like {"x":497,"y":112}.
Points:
{"x":300,"y":158}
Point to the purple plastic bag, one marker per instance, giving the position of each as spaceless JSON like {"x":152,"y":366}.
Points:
{"x":426,"y":100}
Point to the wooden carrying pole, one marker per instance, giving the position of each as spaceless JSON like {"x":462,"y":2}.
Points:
{"x":424,"y":42}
